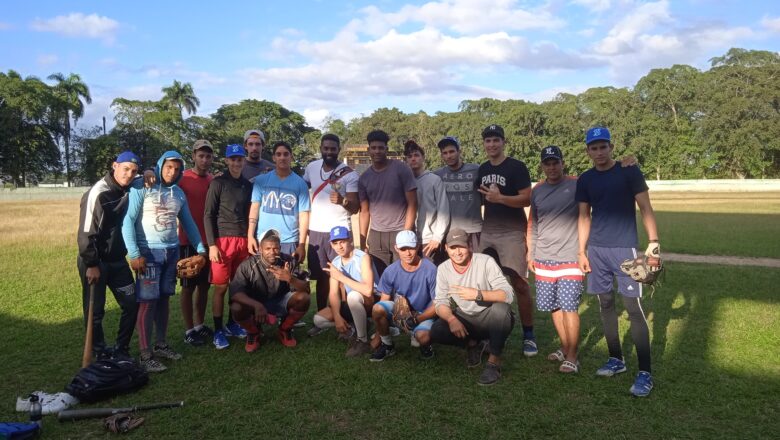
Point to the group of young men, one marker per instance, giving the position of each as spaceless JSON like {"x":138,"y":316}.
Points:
{"x":454,"y":243}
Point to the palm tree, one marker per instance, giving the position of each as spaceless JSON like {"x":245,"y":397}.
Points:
{"x":70,"y":90}
{"x":182,"y":96}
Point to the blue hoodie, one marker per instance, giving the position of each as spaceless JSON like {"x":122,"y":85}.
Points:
{"x":150,"y":222}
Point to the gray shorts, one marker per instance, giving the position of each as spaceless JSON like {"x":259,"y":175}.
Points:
{"x":508,"y":249}
{"x":605,"y":268}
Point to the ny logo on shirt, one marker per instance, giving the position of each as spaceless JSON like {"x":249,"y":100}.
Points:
{"x":279,"y":202}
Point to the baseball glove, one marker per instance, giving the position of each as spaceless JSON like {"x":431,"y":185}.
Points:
{"x":403,"y":316}
{"x":643,"y":269}
{"x":122,"y":422}
{"x":190,"y":267}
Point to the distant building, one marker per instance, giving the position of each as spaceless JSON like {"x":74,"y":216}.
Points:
{"x":356,"y":156}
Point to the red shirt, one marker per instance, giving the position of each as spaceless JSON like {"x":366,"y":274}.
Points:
{"x":195,"y":188}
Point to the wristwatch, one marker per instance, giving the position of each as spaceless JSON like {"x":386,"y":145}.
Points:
{"x":479,"y":295}
{"x":345,"y":202}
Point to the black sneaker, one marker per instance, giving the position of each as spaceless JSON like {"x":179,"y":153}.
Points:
{"x":474,"y":354}
{"x":426,"y":352}
{"x":490,"y":374}
{"x":205,"y":333}
{"x":121,"y":353}
{"x":194,"y":338}
{"x":384,"y":351}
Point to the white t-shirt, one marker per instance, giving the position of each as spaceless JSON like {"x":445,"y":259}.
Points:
{"x":324,"y":214}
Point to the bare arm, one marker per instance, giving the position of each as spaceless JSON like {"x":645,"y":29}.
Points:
{"x":648,"y":215}
{"x":583,"y":233}
{"x":364,"y":221}
{"x":254,"y":215}
{"x":493,"y":195}
{"x":411,"y":210}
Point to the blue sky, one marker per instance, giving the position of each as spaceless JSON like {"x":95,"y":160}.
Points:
{"x":344,"y":59}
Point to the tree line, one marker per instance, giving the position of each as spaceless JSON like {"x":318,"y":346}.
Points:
{"x":680,"y":122}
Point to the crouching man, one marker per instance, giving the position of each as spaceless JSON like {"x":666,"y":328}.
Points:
{"x":267,"y":288}
{"x":475,"y":284}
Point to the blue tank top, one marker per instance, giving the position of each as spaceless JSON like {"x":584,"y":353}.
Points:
{"x":352,"y":268}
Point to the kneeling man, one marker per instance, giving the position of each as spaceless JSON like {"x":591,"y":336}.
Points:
{"x":476,"y":285}
{"x":267,"y":287}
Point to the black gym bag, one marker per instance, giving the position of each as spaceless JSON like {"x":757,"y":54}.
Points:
{"x":107,"y":378}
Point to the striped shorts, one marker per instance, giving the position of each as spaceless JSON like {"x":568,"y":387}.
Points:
{"x":559,"y":285}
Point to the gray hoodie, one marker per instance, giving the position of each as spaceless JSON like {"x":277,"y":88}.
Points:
{"x":433,"y":208}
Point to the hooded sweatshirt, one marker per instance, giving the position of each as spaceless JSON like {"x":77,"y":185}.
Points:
{"x":433,"y":208}
{"x":150,"y":222}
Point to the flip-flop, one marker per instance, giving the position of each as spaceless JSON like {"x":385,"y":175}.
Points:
{"x":568,"y":367}
{"x":557,"y":355}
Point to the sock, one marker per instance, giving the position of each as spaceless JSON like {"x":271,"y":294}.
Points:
{"x":321,"y":322}
{"x":528,"y":332}
{"x":198,"y":327}
{"x":218,"y":323}
{"x":292,"y":317}
{"x":355,"y":302}
{"x":387,"y":340}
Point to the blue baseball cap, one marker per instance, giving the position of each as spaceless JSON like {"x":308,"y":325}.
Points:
{"x":128,"y":156}
{"x":597,"y":134}
{"x":406,"y":239}
{"x":339,"y":233}
{"x":234,"y":150}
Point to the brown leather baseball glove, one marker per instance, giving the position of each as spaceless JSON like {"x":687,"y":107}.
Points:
{"x":403,"y":316}
{"x":190,"y":267}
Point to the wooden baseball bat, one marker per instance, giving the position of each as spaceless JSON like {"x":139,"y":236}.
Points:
{"x":86,"y":357}
{"x":94,"y":413}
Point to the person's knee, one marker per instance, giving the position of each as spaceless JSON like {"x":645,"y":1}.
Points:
{"x":299,"y":302}
{"x":378,"y":312}
{"x":606,"y":301}
{"x":354,"y":299}
{"x":423,"y":337}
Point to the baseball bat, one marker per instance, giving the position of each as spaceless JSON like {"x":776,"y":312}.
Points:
{"x":86,"y":357}
{"x":94,"y":413}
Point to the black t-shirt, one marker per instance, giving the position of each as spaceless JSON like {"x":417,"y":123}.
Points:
{"x":510,"y":176}
{"x":255,"y":280}
{"x":227,"y":208}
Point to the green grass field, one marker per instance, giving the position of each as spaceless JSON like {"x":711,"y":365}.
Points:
{"x":715,"y":337}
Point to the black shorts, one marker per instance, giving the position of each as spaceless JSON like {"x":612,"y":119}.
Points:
{"x":320,"y":253}
{"x":186,"y":251}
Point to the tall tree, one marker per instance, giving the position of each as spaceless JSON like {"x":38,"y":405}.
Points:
{"x":181,"y":96}
{"x":72,"y":93}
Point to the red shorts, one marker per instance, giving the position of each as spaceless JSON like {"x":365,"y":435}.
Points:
{"x":234,"y":251}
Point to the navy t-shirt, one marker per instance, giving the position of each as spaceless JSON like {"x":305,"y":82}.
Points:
{"x":419,"y":287}
{"x":611,"y":194}
{"x":510,"y":176}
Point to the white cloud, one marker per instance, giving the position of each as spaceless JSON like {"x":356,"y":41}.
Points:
{"x":47,"y":59}
{"x":594,"y":5}
{"x":623,"y":36}
{"x":771,"y":23}
{"x":77,"y":24}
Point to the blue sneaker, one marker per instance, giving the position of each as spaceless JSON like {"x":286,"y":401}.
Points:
{"x":235,"y":330}
{"x":642,"y":385}
{"x":529,"y":348}
{"x":612,"y":367}
{"x":220,"y":340}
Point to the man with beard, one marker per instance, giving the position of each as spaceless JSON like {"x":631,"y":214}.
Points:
{"x":334,"y":198}
{"x":388,"y":201}
{"x":254,"y":143}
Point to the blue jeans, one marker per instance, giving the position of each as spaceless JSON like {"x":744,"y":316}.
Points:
{"x":159,"y":279}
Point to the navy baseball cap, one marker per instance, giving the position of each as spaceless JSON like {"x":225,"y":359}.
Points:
{"x":339,"y":233}
{"x":128,"y":156}
{"x":234,"y":150}
{"x":597,"y":134}
{"x":493,"y":130}
{"x":551,"y":152}
{"x":448,"y":140}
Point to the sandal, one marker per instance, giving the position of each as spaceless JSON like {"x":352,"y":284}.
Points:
{"x":122,"y":422}
{"x":557,"y":355}
{"x":569,"y":367}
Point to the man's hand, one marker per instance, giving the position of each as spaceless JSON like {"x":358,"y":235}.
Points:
{"x":530,"y":263}
{"x":457,"y":328}
{"x":149,"y":179}
{"x":335,"y":274}
{"x":491,"y":193}
{"x":138,"y":265}
{"x":252,"y":246}
{"x":336,"y":198}
{"x":466,"y":293}
{"x":261,"y":314}
{"x":93,"y":275}
{"x":300,"y":252}
{"x":584,"y":262}
{"x":431,"y":247}
{"x":341,"y":324}
{"x":214,"y":254}
{"x":629,"y":161}
{"x":281,"y":273}
{"x":363,"y":245}
{"x":654,"y":252}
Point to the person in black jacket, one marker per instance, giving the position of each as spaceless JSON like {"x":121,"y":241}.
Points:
{"x":101,"y":261}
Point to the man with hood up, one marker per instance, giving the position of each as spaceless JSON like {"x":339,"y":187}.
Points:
{"x":150,"y":234}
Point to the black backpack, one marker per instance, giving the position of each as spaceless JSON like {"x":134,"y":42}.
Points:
{"x":105,"y":379}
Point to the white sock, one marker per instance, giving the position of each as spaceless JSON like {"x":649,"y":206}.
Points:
{"x":387,"y":340}
{"x":322,"y":322}
{"x":355,"y":302}
{"x":198,"y":327}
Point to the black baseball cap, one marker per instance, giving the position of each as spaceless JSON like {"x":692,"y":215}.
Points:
{"x":493,"y":130}
{"x":551,"y":152}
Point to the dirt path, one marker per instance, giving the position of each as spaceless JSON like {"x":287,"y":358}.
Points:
{"x":719,"y":259}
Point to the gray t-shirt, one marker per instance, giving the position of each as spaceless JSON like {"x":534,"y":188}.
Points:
{"x":554,"y":213}
{"x":254,"y":169}
{"x":465,"y":200}
{"x":483,"y":273}
{"x":385,"y":192}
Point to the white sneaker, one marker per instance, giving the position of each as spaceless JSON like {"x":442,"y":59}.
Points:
{"x":415,"y":342}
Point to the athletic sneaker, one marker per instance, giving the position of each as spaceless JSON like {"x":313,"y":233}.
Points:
{"x":474,"y":354}
{"x":348,"y":336}
{"x":166,"y":352}
{"x":193,"y":338}
{"x":612,"y":367}
{"x":121,"y":353}
{"x":150,"y":364}
{"x":529,"y":348}
{"x":642,"y":385}
{"x":314,"y":331}
{"x":205,"y":333}
{"x":286,"y":337}
{"x":426,"y":352}
{"x":384,"y":351}
{"x":235,"y":330}
{"x":490,"y":374}
{"x":394,"y":331}
{"x":252,"y":342}
{"x":220,"y":340}
{"x":299,"y":324}
{"x":358,"y":348}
